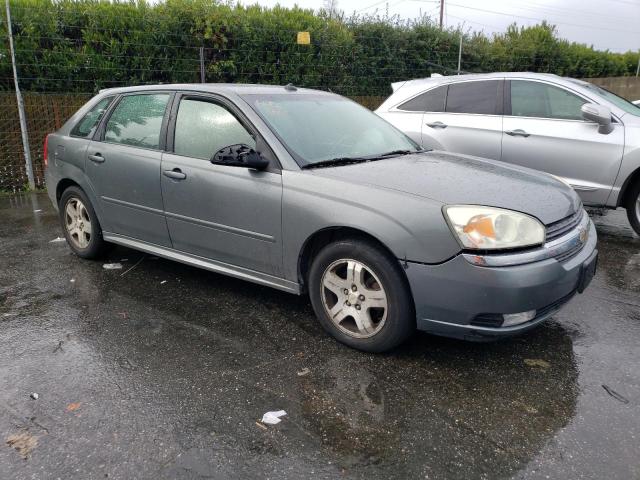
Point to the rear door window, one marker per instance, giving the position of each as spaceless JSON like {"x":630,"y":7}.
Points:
{"x":137,"y":120}
{"x":430,"y":101}
{"x":204,"y":127}
{"x":479,"y":97}
{"x":86,"y":127}
{"x":541,"y":100}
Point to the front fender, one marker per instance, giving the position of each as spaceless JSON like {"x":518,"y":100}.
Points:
{"x":411,"y":227}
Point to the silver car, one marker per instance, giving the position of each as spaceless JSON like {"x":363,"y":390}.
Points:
{"x":308,"y":192}
{"x":575,"y":130}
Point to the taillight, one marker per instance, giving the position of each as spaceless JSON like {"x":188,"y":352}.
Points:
{"x":46,"y":151}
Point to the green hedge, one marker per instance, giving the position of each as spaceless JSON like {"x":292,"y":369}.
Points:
{"x":85,"y":45}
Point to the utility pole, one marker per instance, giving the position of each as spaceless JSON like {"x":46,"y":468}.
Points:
{"x":460,"y":53}
{"x":20,"y":102}
{"x":441,"y":12}
{"x":202,"y":79}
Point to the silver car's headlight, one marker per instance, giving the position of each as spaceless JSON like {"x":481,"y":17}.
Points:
{"x":490,"y":228}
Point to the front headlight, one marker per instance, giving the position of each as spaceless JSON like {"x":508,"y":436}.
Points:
{"x":490,"y":228}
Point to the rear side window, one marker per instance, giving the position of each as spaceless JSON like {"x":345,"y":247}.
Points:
{"x":203,"y":128}
{"x":137,"y":120}
{"x":535,"y":99}
{"x":431,"y":101}
{"x":86,"y":127}
{"x":473,"y":97}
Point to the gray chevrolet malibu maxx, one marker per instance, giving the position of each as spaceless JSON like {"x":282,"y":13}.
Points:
{"x":308,"y":192}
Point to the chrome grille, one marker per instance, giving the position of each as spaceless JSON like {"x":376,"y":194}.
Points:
{"x":564,"y":226}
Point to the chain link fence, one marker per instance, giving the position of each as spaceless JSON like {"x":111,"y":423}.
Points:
{"x":45,"y":113}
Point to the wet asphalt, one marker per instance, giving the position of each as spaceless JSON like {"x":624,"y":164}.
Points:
{"x":159,"y":370}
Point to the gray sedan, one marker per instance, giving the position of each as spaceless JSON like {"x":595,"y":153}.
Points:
{"x":308,"y":192}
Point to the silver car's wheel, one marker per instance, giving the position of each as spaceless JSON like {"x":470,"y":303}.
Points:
{"x":633,"y":206}
{"x":77,"y":222}
{"x":354,"y":298}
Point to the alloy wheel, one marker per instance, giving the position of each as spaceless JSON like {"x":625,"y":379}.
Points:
{"x":77,"y":222}
{"x":354,"y":298}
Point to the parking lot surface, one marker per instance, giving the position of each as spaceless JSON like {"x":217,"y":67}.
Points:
{"x":160,"y":370}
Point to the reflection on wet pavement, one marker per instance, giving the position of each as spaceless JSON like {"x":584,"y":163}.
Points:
{"x":143,"y":379}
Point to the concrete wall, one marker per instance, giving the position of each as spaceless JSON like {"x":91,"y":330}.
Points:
{"x":627,"y":87}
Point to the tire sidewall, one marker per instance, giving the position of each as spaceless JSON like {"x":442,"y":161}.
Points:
{"x":631,"y":208}
{"x":400,"y":321}
{"x":96,"y":243}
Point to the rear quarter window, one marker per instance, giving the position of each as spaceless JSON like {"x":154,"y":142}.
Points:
{"x":430,"y":101}
{"x":86,"y":127}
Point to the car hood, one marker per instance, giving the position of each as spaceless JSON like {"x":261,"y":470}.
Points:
{"x":461,"y":179}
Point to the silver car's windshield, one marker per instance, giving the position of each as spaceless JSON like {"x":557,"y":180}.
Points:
{"x":619,"y":102}
{"x":318,"y":128}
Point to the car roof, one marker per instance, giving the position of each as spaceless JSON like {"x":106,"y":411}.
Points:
{"x":221,"y":88}
{"x":473,"y":76}
{"x":404,"y":90}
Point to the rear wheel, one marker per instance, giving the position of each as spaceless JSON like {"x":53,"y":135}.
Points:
{"x":80,"y":224}
{"x":633,"y":207}
{"x":361,"y":295}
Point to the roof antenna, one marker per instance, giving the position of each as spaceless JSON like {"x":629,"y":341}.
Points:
{"x":290,"y":87}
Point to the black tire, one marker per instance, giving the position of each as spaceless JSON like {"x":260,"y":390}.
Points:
{"x":95,"y":245}
{"x":633,"y":207}
{"x":390,"y":330}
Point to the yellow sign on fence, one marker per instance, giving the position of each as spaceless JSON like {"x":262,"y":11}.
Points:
{"x":304,"y":38}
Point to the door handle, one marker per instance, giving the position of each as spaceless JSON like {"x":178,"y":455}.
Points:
{"x":436,"y":125}
{"x":96,"y":158}
{"x":517,"y":133}
{"x":176,"y":174}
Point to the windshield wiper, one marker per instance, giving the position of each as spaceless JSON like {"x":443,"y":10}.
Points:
{"x":334,"y":162}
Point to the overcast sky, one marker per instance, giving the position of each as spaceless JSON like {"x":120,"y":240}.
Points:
{"x":605,"y":24}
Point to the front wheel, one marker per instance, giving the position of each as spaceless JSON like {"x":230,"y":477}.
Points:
{"x":633,"y":207}
{"x":361,"y":295}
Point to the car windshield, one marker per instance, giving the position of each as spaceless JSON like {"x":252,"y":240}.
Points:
{"x":619,"y":102}
{"x":318,"y":128}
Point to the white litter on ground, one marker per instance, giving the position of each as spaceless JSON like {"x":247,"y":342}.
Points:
{"x":57,"y":239}
{"x":273,"y":418}
{"x":163,"y":282}
{"x":37,"y":211}
{"x":34,"y":396}
{"x":73,"y":280}
{"x":112,"y":266}
{"x":303,"y":372}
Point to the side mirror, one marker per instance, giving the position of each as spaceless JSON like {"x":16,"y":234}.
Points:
{"x":240,"y":155}
{"x":600,"y":114}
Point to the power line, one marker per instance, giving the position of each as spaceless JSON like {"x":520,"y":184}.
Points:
{"x":538,"y":19}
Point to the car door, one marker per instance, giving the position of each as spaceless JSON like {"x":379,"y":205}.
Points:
{"x":544,"y":129}
{"x":225,"y":213}
{"x":470,"y":120}
{"x":123,"y":166}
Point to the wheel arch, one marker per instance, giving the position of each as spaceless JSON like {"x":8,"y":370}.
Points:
{"x":63,"y":185}
{"x":314,"y":243}
{"x":81,"y":183}
{"x":627,"y":187}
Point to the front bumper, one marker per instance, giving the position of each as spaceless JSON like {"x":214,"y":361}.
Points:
{"x":450,"y":296}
